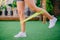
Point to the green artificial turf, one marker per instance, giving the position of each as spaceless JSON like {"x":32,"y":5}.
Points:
{"x":35,"y":30}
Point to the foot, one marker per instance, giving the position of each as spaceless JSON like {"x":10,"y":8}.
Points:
{"x":52,"y":22}
{"x":20,"y":34}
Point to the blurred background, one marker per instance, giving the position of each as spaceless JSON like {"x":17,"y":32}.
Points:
{"x":8,"y":9}
{"x":36,"y":28}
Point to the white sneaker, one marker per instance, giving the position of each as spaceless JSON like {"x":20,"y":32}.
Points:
{"x":52,"y":22}
{"x":20,"y":34}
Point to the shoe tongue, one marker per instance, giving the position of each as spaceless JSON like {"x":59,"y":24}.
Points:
{"x":51,"y":19}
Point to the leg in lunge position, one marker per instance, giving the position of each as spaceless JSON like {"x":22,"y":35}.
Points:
{"x":33,"y":7}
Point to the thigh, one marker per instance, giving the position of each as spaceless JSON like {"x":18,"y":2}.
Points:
{"x":20,"y":7}
{"x":31,"y":4}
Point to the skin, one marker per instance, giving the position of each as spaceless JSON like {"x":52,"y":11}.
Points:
{"x":33,"y":7}
{"x":20,"y":8}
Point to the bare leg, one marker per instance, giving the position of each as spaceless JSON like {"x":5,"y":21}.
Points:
{"x":33,"y":7}
{"x":20,"y":7}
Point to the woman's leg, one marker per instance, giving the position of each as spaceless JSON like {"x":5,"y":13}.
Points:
{"x":33,"y":7}
{"x":20,"y":8}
